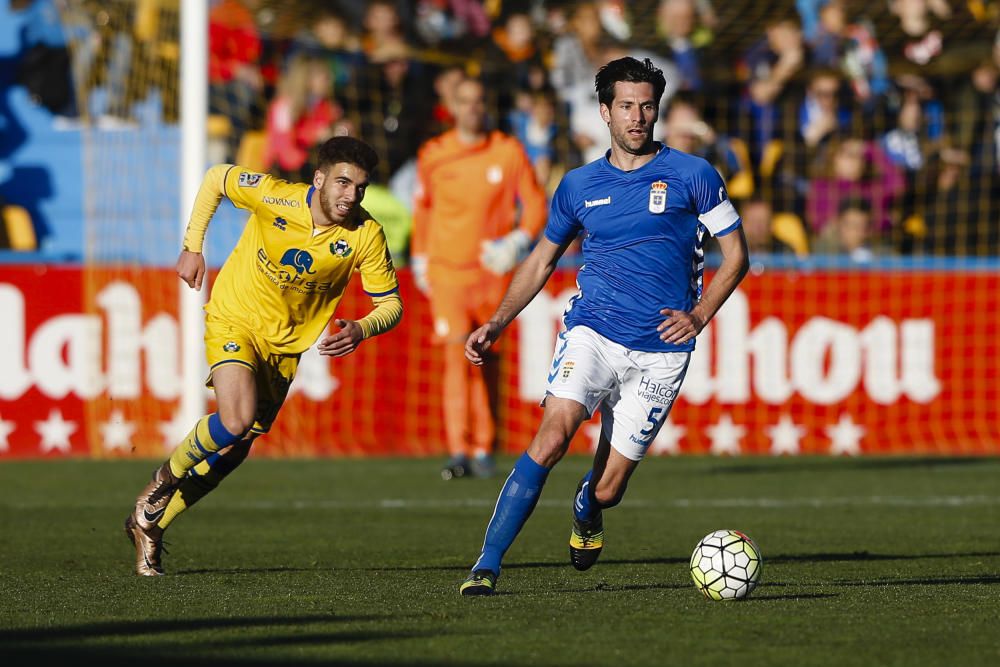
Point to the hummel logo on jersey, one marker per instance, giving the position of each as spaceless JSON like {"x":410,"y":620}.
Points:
{"x":590,"y":203}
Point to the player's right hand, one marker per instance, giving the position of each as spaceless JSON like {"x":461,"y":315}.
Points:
{"x":191,"y":268}
{"x":481,"y":340}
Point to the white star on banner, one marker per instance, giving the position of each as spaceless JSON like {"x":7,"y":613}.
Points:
{"x":668,"y":440}
{"x":116,"y":432}
{"x":726,"y":436}
{"x":6,"y":428}
{"x":593,"y":431}
{"x":785,"y":436}
{"x":55,"y":432}
{"x":173,"y":431}
{"x":845,"y":436}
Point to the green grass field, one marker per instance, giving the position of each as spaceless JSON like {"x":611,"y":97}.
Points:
{"x":866,"y":562}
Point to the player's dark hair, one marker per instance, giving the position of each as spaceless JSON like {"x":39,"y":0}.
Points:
{"x":630,"y":70}
{"x":350,"y":150}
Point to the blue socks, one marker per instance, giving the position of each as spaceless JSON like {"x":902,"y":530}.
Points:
{"x":517,"y":500}
{"x":585,"y":504}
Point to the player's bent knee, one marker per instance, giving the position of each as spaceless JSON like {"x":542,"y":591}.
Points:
{"x":236,"y":423}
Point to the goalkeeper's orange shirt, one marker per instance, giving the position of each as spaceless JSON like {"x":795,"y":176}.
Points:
{"x":469,"y":193}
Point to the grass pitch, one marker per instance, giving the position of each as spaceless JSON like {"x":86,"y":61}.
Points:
{"x":358,"y":562}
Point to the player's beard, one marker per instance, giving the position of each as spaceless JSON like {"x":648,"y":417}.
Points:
{"x":634,"y":145}
{"x":330,"y":211}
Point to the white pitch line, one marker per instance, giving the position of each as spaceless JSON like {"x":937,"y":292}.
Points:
{"x":562,"y":503}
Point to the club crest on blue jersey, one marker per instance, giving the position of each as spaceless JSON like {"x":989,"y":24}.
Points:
{"x":231,"y":346}
{"x":658,"y":197}
{"x":341,"y":248}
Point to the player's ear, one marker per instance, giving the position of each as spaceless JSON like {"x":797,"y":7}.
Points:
{"x":605,"y":113}
{"x":318,"y":179}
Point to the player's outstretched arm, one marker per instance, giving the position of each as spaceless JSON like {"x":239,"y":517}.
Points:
{"x":191,"y":268}
{"x":529,"y":279}
{"x":679,"y":326}
{"x":387,"y":313}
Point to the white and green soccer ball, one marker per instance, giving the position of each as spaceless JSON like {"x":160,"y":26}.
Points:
{"x":726,"y":565}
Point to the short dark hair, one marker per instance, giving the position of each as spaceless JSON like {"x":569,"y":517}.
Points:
{"x":350,"y":150}
{"x":631,"y":70}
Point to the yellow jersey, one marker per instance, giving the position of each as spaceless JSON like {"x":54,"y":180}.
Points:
{"x":284,"y":278}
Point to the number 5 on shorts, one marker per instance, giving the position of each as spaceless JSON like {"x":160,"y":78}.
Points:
{"x":651,"y":420}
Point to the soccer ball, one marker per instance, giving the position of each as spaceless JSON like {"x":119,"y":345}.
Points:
{"x":726,"y":565}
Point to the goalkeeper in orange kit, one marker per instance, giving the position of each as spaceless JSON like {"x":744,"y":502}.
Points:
{"x":477,"y":210}
{"x":273,"y":299}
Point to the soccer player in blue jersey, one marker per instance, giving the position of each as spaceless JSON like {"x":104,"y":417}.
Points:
{"x":644,"y":209}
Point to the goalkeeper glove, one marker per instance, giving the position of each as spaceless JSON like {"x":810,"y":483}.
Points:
{"x":501,"y":255}
{"x":418,"y":265}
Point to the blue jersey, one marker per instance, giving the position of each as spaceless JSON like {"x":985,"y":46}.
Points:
{"x":642,"y":250}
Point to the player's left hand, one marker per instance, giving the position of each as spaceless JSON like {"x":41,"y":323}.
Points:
{"x":679,"y":326}
{"x":344,"y":341}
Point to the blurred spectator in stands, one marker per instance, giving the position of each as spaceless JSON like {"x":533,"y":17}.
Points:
{"x":677,"y":23}
{"x":977,"y":121}
{"x":850,"y":233}
{"x":976,"y":132}
{"x":44,"y":60}
{"x":383,"y":28}
{"x":394,"y":107}
{"x":509,"y":61}
{"x":905,"y":144}
{"x":686,"y":130}
{"x":235,"y":83}
{"x":327,"y":36}
{"x":947,"y":219}
{"x":918,"y":35}
{"x":302,"y":114}
{"x":535,"y":127}
{"x":578,"y":52}
{"x":864,"y":63}
{"x":853,"y":168}
{"x":768,"y":232}
{"x":821,"y":114}
{"x":771,"y":66}
{"x":447,"y":22}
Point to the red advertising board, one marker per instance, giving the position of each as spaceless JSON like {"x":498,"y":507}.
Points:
{"x":833,"y":361}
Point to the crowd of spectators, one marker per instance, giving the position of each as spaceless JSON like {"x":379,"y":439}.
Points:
{"x":840,"y":126}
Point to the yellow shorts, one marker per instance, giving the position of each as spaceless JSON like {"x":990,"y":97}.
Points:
{"x":229,"y":343}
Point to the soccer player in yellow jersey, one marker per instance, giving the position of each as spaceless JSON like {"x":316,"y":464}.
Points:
{"x":273,"y":298}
